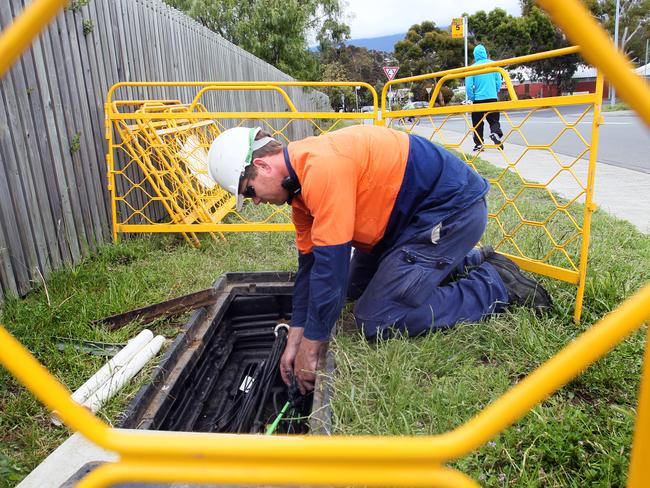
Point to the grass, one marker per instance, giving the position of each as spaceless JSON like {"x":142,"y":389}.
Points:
{"x":617,"y":106}
{"x":579,"y":437}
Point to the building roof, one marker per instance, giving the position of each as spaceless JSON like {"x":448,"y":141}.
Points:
{"x":590,"y":72}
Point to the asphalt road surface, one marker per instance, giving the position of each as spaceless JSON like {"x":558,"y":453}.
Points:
{"x":624,"y":138}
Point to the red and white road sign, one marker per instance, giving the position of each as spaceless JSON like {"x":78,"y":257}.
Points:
{"x":391,"y":71}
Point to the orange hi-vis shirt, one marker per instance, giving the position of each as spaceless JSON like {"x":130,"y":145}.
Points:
{"x":350,"y":179}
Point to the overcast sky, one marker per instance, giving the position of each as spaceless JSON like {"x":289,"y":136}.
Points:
{"x":374,"y":18}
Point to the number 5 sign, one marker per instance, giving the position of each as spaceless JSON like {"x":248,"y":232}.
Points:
{"x":457,"y":28}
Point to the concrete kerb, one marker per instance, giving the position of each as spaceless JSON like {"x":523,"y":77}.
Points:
{"x":65,"y":461}
{"x":618,"y":191}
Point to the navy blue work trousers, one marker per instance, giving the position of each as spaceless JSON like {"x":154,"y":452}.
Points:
{"x":432,"y":281}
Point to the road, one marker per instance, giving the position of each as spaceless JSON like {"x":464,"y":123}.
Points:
{"x":624,"y":139}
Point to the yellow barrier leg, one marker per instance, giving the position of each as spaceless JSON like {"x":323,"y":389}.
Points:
{"x":589,"y":204}
{"x":640,"y":459}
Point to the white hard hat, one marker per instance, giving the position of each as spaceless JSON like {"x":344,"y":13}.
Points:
{"x":229,"y":155}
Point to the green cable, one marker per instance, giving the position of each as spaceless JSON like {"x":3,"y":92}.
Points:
{"x":271,"y":428}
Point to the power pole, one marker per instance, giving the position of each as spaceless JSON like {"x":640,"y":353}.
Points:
{"x":645,"y":66}
{"x":612,"y":90}
{"x":465,"y":36}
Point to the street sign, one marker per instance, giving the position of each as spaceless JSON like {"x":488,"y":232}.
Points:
{"x":390,"y":71}
{"x":457,"y":31}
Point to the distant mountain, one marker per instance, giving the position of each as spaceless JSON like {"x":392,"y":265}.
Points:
{"x":383,"y":43}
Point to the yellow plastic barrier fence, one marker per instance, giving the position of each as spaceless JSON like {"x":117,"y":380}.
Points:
{"x":368,"y":461}
{"x":157,"y":157}
{"x":157,"y":456}
{"x":167,"y":164}
{"x":158,"y":150}
{"x":553,"y":242}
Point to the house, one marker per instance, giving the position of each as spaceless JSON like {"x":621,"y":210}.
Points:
{"x":585,"y":78}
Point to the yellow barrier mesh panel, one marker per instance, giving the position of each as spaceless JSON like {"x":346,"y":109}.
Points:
{"x":535,"y":210}
{"x":165,"y":161}
{"x":158,"y":164}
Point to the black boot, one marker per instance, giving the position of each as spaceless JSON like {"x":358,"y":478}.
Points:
{"x":485,"y":252}
{"x":521,"y":290}
{"x":496,"y":138}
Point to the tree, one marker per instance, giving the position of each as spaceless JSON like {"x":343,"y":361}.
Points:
{"x":340,"y":96}
{"x":427,"y":49}
{"x":506,"y":36}
{"x":634,"y":24}
{"x":274,"y":30}
{"x":545,"y":36}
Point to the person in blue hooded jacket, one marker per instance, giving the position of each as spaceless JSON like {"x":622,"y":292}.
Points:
{"x":484,"y":89}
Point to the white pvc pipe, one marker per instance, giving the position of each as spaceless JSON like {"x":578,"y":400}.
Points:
{"x":112,"y":366}
{"x":124,"y":375}
{"x":109,"y":369}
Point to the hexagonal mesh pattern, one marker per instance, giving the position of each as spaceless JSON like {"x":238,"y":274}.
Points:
{"x":158,"y":166}
{"x":539,"y":201}
{"x":537,"y":196}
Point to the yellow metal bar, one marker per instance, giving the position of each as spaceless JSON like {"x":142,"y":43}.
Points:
{"x":597,"y":48}
{"x":198,"y":96}
{"x":162,"y":102}
{"x":482,"y":71}
{"x":286,"y":472}
{"x":589,"y":197}
{"x":19,"y":35}
{"x":554,"y":373}
{"x":501,"y":62}
{"x":500,"y":106}
{"x":468,"y":69}
{"x":639,"y":472}
{"x":242,"y":115}
{"x":321,"y":450}
{"x":26,"y":369}
{"x":546,"y":269}
{"x":206,"y":227}
{"x":314,"y":84}
{"x":110,"y":176}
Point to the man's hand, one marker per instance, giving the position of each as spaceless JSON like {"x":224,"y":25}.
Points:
{"x":289,"y":355}
{"x":306,"y":362}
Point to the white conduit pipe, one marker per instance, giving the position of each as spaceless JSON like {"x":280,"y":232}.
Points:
{"x":124,"y":375}
{"x":109,"y":369}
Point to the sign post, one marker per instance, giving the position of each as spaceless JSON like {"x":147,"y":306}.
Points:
{"x":390,"y":72}
{"x":356,"y":96}
{"x":459,"y":29}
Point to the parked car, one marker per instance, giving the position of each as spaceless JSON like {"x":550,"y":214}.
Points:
{"x":415,"y":105}
{"x":367,"y":108}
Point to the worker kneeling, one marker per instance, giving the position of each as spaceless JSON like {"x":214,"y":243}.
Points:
{"x":413,"y":212}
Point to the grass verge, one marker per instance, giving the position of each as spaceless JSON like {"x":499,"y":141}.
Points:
{"x":614,"y":108}
{"x":579,"y":437}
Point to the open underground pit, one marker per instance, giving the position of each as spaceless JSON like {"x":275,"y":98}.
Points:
{"x":221,"y":375}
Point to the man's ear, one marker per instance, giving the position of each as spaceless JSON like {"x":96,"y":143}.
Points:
{"x":262,"y":165}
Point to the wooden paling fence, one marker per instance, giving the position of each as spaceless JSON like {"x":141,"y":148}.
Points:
{"x":54,"y":204}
